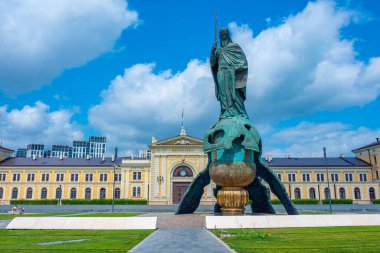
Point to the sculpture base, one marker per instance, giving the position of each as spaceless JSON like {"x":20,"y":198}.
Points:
{"x":232,"y":200}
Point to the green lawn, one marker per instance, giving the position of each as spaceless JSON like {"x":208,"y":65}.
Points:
{"x":103,"y":214}
{"x":327,"y":239}
{"x":11,"y":216}
{"x":96,"y":240}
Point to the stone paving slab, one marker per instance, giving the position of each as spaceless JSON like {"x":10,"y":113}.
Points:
{"x":182,"y":240}
{"x":170,"y":220}
{"x":87,"y":223}
{"x":292,"y":221}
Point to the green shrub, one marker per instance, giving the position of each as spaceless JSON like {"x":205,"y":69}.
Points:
{"x":34,"y":202}
{"x":80,"y":202}
{"x":104,"y":201}
{"x":297,"y":201}
{"x":275,"y":202}
{"x":305,"y":201}
{"x":337,"y":201}
{"x":376,"y":201}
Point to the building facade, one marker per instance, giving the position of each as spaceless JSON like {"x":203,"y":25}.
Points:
{"x":163,"y":178}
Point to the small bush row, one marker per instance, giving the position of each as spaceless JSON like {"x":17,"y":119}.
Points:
{"x":315,"y":201}
{"x":80,"y":202}
{"x":337,"y":201}
{"x":376,"y":201}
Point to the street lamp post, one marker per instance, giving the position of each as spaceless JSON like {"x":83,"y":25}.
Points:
{"x":60,"y":195}
{"x":113,"y":188}
{"x":328,"y":180}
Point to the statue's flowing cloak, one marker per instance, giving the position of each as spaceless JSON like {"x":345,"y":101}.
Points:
{"x":233,"y":56}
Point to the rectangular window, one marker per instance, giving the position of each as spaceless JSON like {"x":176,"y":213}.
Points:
{"x":3,"y":177}
{"x":136,"y":192}
{"x":374,"y":159}
{"x":348,"y":177}
{"x":45,"y":177}
{"x":291,"y":177}
{"x":306,"y":177}
{"x":279,"y":176}
{"x":60,"y":177}
{"x":137,"y":175}
{"x":377,"y":175}
{"x":334,"y":177}
{"x":30,"y":178}
{"x":320,"y":177}
{"x":89,"y":177}
{"x":16,"y":177}
{"x":363,"y":177}
{"x":117,"y":177}
{"x":103,"y":177}
{"x":74,"y":177}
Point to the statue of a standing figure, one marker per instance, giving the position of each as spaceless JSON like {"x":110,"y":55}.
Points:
{"x":230,"y":70}
{"x":233,"y":145}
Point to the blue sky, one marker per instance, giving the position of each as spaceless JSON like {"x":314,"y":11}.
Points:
{"x":125,"y":70}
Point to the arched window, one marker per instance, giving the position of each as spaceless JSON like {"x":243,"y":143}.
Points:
{"x":43,"y":193}
{"x":14,"y":193}
{"x":58,"y":193}
{"x":182,"y":171}
{"x":357,"y":193}
{"x":29,"y":193}
{"x":73,"y":193}
{"x":312,"y":193}
{"x":297,"y":193}
{"x":372,"y":193}
{"x":342,"y":193}
{"x":102,"y":193}
{"x":327,"y":193}
{"x":117,"y":193}
{"x":1,"y":192}
{"x":87,"y":193}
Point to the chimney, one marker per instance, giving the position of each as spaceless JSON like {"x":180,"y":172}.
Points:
{"x":132,"y":156}
{"x":377,"y":139}
{"x":103,"y":158}
{"x":116,"y":152}
{"x":34,"y":157}
{"x":88,"y":157}
{"x":269,"y":158}
{"x":341,"y":155}
{"x":113,"y":158}
{"x":60,"y":157}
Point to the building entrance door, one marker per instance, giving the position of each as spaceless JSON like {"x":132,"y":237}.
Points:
{"x":179,"y":189}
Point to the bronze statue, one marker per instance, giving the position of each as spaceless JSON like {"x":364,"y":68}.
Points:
{"x":233,"y":145}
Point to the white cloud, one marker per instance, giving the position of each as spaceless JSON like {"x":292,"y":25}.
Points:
{"x":40,"y":39}
{"x":297,"y":68}
{"x":303,"y":65}
{"x":140,"y":101}
{"x":37,"y":124}
{"x":307,"y":139}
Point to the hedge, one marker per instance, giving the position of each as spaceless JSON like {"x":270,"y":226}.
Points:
{"x":315,"y":201}
{"x":34,"y":202}
{"x":297,"y":201}
{"x":337,"y":201}
{"x":376,"y":201}
{"x":80,"y":202}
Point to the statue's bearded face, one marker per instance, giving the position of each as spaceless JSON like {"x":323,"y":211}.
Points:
{"x":224,"y":37}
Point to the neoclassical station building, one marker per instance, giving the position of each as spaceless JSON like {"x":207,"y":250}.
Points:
{"x":163,"y":178}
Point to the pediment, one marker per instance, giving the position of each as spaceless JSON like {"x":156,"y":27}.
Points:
{"x":179,"y":140}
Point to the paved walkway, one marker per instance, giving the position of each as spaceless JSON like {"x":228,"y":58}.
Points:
{"x":181,"y":240}
{"x":4,"y":223}
{"x":181,"y":234}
